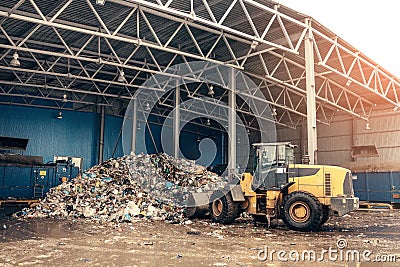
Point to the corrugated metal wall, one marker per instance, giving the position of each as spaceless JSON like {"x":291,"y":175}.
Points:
{"x":77,"y":134}
{"x":384,"y":133}
{"x":295,"y":137}
{"x":112,"y":142}
{"x":188,"y":142}
{"x":335,"y":140}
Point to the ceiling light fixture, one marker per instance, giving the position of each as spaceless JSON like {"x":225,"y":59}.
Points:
{"x":211,"y":90}
{"x":121,"y":77}
{"x":15,"y":61}
{"x":59,"y":116}
{"x":100,"y":2}
{"x":64,"y":100}
{"x":274,"y":112}
{"x":147,"y":108}
{"x":367,"y":127}
{"x":138,"y":127}
{"x":208,"y":123}
{"x":198,"y":139}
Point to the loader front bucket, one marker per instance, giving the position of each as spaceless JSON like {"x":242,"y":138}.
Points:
{"x":198,"y":205}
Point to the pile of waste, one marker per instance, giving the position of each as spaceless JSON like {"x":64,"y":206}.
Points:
{"x":127,"y":189}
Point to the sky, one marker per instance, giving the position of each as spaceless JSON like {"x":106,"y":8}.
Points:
{"x":372,"y":27}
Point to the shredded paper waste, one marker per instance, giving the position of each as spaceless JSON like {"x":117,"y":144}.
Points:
{"x":128,"y":188}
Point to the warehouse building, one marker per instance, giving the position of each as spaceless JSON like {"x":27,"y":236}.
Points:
{"x":109,"y":107}
{"x":71,"y":69}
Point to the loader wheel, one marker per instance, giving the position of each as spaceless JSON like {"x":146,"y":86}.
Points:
{"x":325,"y":214}
{"x":302,"y":211}
{"x":222,"y":207}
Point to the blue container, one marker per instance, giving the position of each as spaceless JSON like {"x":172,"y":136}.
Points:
{"x":19,"y":182}
{"x":377,"y":186}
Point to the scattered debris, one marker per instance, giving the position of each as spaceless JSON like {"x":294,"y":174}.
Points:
{"x":220,"y":264}
{"x":193,"y":232}
{"x":127,"y":189}
{"x":374,"y":242}
{"x":85,"y":260}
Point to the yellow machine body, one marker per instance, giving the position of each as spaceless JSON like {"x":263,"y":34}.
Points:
{"x":327,"y":182}
{"x":303,"y":196}
{"x":323,"y":182}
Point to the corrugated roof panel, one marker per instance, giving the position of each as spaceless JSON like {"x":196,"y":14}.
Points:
{"x":85,"y":17}
{"x":237,"y":20}
{"x":79,"y":14}
{"x":17,"y":28}
{"x":7,"y":4}
{"x":163,"y":27}
{"x":182,"y":5}
{"x":219,"y":8}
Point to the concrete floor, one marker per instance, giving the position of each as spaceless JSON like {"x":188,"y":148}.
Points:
{"x":49,"y":242}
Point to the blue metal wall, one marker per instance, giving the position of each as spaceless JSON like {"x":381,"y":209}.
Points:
{"x":188,"y":143}
{"x":112,"y":130}
{"x":77,"y":134}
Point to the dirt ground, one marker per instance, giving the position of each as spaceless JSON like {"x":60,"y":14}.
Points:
{"x":49,"y":242}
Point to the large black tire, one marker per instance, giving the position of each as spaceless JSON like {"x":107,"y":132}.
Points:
{"x":302,"y":211}
{"x":222,"y":207}
{"x":325,"y":215}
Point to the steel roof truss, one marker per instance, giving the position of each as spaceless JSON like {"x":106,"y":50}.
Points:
{"x":374,"y":81}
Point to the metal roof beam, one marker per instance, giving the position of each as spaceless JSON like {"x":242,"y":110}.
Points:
{"x":192,"y":17}
{"x":378,"y":73}
{"x":32,"y":18}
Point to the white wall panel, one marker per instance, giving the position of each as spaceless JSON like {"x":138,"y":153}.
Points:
{"x":335,"y":140}
{"x":334,"y":157}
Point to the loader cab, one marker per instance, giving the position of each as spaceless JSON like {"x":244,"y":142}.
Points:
{"x":271,"y":165}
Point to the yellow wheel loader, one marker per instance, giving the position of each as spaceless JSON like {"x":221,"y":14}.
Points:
{"x":303,"y":196}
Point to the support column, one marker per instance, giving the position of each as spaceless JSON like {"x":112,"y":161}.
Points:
{"x":134,"y":126}
{"x":176,"y":119}
{"x":232,"y":124}
{"x":353,"y":136}
{"x":101,"y":139}
{"x":311,"y":105}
